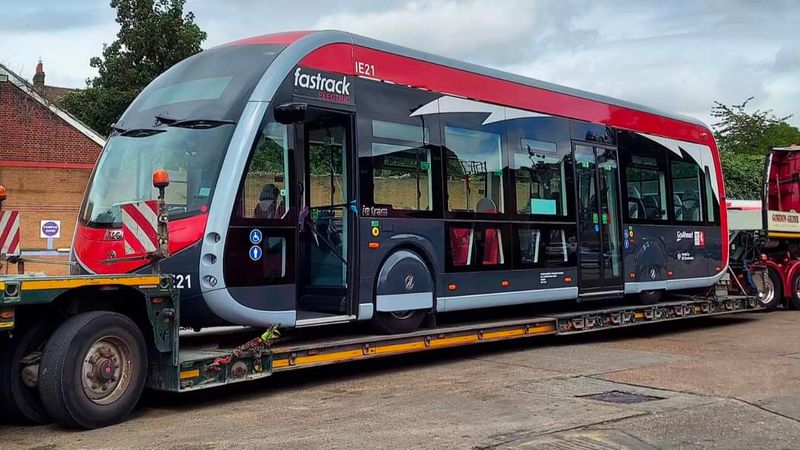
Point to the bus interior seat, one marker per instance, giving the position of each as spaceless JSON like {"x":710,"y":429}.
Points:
{"x":460,"y":241}
{"x":651,"y":208}
{"x":491,"y":247}
{"x":691,"y":205}
{"x":635,"y":205}
{"x":267,"y":205}
{"x":678,"y":207}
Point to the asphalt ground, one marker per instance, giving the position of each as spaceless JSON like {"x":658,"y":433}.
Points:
{"x":725,"y":382}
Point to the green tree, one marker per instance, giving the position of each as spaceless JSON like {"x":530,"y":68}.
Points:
{"x":744,"y":138}
{"x":153,"y":36}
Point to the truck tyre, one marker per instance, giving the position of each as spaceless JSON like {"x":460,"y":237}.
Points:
{"x":795,"y":297}
{"x":650,"y":297}
{"x":768,"y":287}
{"x":20,"y":403}
{"x":93,"y":370}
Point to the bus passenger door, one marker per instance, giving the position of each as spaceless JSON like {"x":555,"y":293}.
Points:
{"x":326,"y":223}
{"x":600,"y":256}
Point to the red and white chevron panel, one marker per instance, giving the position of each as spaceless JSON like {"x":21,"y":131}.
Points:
{"x":140,"y":227}
{"x":9,"y":233}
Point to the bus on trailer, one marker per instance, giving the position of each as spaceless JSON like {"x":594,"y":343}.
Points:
{"x":324,"y":177}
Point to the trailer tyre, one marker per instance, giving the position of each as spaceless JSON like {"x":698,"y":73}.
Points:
{"x":769,"y":288}
{"x":20,"y":403}
{"x":795,"y":297}
{"x":93,"y":370}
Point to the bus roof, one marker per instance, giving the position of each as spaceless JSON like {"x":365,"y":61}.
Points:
{"x":324,"y":37}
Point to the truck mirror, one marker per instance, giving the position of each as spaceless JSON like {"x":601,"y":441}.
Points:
{"x":289,"y":113}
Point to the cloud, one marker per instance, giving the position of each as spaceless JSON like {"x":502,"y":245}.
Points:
{"x":678,"y":56}
{"x":33,"y":16}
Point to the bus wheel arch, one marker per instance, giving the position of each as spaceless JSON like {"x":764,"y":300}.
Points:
{"x":405,"y":291}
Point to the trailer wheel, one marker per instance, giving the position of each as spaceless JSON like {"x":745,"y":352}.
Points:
{"x":19,"y":398}
{"x":93,"y":369}
{"x":768,"y":287}
{"x":795,"y":297}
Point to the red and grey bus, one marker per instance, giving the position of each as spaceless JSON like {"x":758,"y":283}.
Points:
{"x":324,"y":177}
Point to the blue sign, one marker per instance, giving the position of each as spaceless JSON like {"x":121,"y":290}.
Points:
{"x":255,"y":236}
{"x":597,"y":228}
{"x":50,"y":228}
{"x":255,"y":253}
{"x":627,"y":244}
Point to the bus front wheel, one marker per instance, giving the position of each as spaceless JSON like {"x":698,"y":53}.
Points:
{"x":93,"y":369}
{"x":397,"y":322}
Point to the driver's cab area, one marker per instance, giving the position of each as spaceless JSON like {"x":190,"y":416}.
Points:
{"x":291,"y":238}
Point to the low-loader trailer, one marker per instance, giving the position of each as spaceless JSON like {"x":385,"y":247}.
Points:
{"x":90,"y":370}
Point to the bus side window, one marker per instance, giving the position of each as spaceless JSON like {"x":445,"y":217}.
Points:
{"x":645,"y":179}
{"x":264,"y":192}
{"x":687,"y":187}
{"x":474,"y":170}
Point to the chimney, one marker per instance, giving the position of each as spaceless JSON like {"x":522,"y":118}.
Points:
{"x":38,"y":77}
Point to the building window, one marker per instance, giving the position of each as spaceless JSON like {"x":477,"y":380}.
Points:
{"x":687,"y":187}
{"x":474,"y":171}
{"x":264,"y":193}
{"x":401,"y":166}
{"x":539,"y":178}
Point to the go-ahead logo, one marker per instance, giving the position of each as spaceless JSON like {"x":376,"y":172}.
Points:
{"x":329,"y":89}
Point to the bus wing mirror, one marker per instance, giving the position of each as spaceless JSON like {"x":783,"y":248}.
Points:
{"x":289,"y":113}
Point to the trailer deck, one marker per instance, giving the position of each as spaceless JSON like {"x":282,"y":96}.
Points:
{"x":207,"y":361}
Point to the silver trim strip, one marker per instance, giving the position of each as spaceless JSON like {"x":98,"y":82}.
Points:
{"x":404,"y":302}
{"x":323,"y":321}
{"x":461,"y":302}
{"x":637,"y":287}
{"x":595,"y":294}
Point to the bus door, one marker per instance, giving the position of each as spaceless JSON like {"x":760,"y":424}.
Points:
{"x":600,"y":256}
{"x":326,"y":222}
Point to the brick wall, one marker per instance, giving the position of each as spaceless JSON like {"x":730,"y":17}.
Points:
{"x":45,"y":165}
{"x":31,"y":132}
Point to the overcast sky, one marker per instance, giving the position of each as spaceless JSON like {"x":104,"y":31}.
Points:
{"x":679,"y":56}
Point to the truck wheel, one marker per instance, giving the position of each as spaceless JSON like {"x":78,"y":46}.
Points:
{"x":397,"y":322}
{"x":768,"y":287}
{"x":93,"y":369}
{"x":19,"y":398}
{"x":795,"y":297}
{"x":650,"y":297}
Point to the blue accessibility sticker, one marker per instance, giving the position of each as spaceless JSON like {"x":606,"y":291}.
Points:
{"x":597,"y":228}
{"x":627,"y":244}
{"x":255,"y":236}
{"x":255,"y":252}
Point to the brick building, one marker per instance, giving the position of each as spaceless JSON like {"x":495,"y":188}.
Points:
{"x":46,"y":156}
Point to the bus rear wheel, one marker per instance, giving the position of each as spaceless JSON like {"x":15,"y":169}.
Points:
{"x":19,"y":354}
{"x":650,"y":297}
{"x":93,"y":370}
